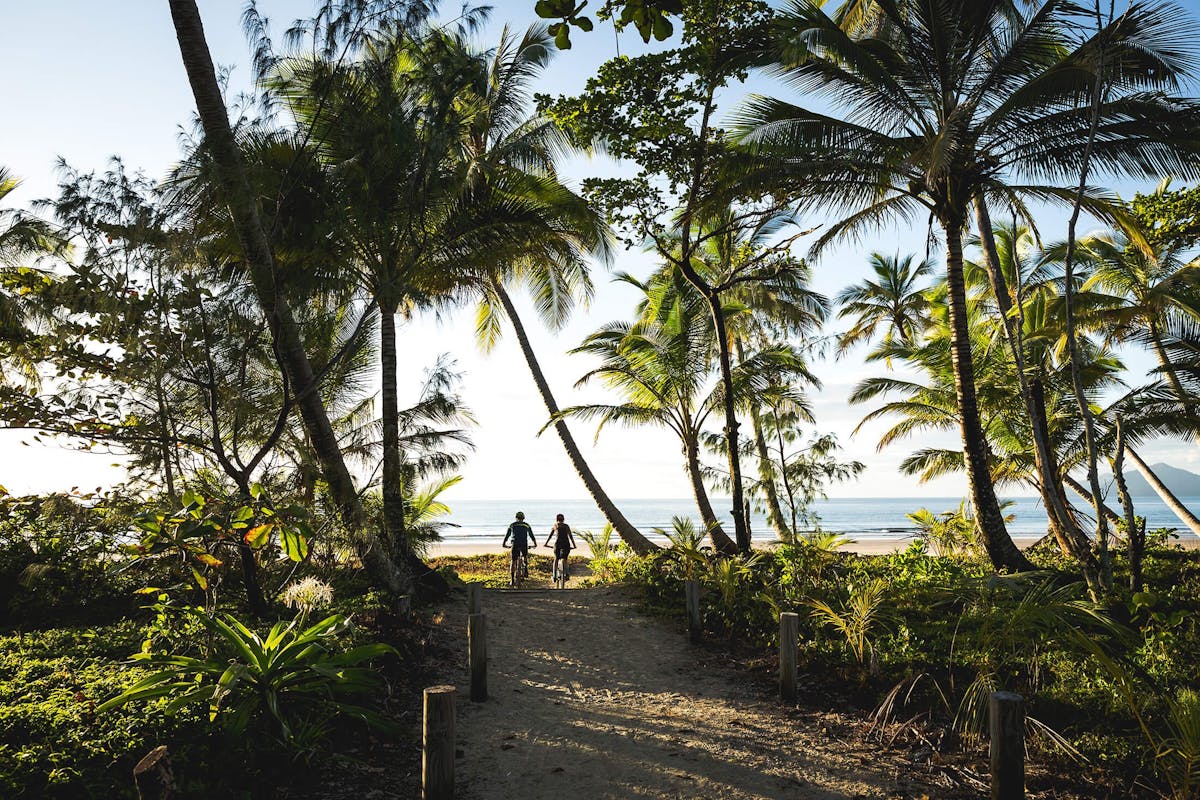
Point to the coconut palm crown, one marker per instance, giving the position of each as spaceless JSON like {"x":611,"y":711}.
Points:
{"x":946,"y":103}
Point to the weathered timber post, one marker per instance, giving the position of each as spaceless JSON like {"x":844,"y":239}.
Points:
{"x":692,"y":595}
{"x":477,"y":655}
{"x":474,"y":598}
{"x":1007,"y":727}
{"x":437,"y":744}
{"x":789,"y":632}
{"x":152,"y":776}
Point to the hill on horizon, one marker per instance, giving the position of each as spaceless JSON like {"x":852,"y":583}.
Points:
{"x":1181,"y":482}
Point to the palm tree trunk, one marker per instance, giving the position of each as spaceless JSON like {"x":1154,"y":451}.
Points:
{"x":1073,"y":354}
{"x":766,"y":473}
{"x":260,"y":263}
{"x":1135,"y":534}
{"x":1081,"y":490}
{"x":720,"y":540}
{"x":740,"y":529}
{"x":1064,"y":525}
{"x":998,"y":544}
{"x":1169,"y":499}
{"x":624,"y":528}
{"x":392,"y":478}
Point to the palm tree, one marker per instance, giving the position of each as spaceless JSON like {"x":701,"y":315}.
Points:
{"x":1145,"y":291}
{"x":744,"y":252}
{"x":281,"y":322}
{"x":23,"y":239}
{"x":503,"y":138}
{"x":895,"y":301}
{"x":958,"y":100}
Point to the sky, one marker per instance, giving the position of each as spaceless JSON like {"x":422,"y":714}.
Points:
{"x":85,"y":81}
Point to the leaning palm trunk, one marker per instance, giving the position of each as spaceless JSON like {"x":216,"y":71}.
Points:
{"x":720,"y":540}
{"x":260,"y":263}
{"x":990,"y":520}
{"x":1083,"y":493}
{"x":1070,"y":538}
{"x":1169,"y":499}
{"x":624,"y":528}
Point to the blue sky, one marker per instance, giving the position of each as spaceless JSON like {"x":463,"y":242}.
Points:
{"x":85,"y":81}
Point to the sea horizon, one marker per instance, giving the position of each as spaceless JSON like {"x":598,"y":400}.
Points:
{"x":860,"y":518}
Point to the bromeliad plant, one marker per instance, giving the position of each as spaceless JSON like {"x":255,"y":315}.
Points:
{"x":291,"y":683}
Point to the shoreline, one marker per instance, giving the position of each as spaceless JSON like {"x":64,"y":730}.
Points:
{"x":863,"y":547}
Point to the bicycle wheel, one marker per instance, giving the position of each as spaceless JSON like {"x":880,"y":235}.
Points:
{"x":514,"y":574}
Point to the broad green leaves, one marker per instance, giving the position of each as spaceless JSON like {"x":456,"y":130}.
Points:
{"x":206,"y":531}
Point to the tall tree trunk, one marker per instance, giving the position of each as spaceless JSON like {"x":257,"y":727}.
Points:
{"x":766,"y":473}
{"x":741,"y":529}
{"x":1049,"y":485}
{"x":1073,"y":354}
{"x":260,"y":263}
{"x":1135,"y":534}
{"x":1081,"y":490}
{"x":393,"y":477}
{"x":720,"y":540}
{"x":998,"y":544}
{"x":1169,"y":499}
{"x":250,"y":571}
{"x":624,"y":528}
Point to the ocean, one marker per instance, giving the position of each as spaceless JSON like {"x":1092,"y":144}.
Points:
{"x":861,"y":518}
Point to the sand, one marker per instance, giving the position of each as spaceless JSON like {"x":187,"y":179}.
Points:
{"x":589,"y":699}
{"x":866,"y":547}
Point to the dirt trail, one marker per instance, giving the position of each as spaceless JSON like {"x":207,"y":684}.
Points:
{"x":589,"y":699}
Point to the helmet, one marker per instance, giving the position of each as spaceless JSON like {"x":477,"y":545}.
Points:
{"x":520,"y":515}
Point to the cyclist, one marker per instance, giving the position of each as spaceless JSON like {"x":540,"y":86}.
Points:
{"x":564,"y":543}
{"x":521,"y":533}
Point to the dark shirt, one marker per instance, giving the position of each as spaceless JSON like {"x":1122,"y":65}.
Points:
{"x":562,"y":534}
{"x":520,"y":533}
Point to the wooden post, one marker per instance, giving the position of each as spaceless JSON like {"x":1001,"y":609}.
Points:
{"x":474,"y":598}
{"x":477,"y":655}
{"x":152,"y":776}
{"x":1008,"y":746}
{"x":437,"y":744}
{"x":789,"y":632}
{"x":692,"y":594}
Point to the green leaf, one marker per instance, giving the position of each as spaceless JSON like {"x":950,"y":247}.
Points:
{"x":258,"y":536}
{"x":562,"y":37}
{"x":295,"y":545}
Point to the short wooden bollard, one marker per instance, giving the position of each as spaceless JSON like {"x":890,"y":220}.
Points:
{"x":789,"y":632}
{"x":474,"y":598}
{"x":437,"y":751}
{"x":692,"y":596}
{"x":152,"y":776}
{"x":1007,"y":726}
{"x":477,"y":655}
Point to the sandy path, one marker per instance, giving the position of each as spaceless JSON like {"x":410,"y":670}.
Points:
{"x":589,"y":699}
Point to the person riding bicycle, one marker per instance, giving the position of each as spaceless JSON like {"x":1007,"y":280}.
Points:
{"x":564,"y":540}
{"x":521,"y":533}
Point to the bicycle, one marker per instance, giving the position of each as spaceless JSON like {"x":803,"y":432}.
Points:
{"x":518,"y":569}
{"x":562,"y":569}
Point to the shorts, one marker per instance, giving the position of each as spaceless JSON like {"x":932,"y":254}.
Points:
{"x":562,"y":552}
{"x":520,"y":550}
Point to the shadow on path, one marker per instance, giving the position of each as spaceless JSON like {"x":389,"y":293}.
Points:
{"x":589,"y":699}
